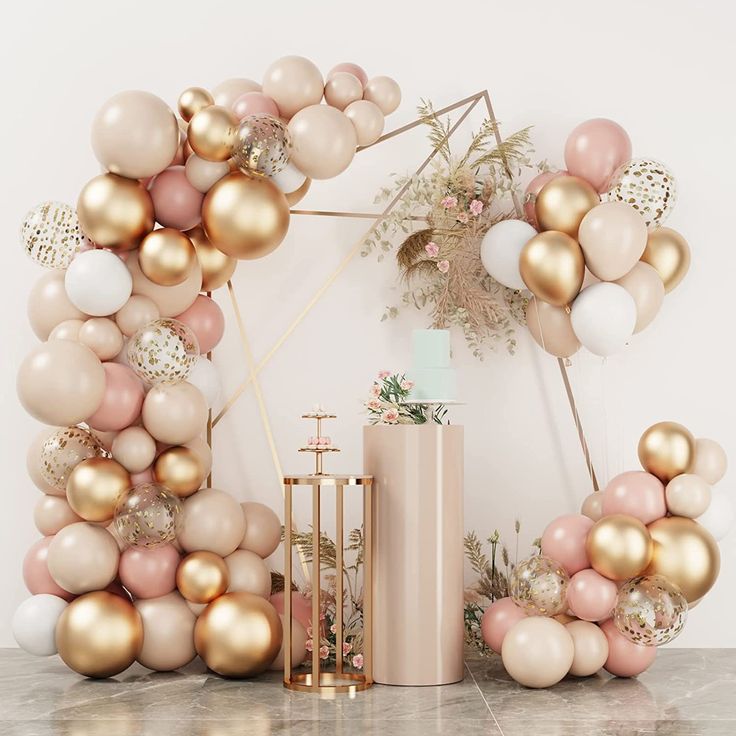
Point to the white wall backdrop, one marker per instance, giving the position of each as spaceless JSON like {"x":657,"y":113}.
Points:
{"x":662,"y":69}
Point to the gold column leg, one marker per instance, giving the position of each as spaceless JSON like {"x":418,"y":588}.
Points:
{"x":339,"y":544}
{"x":368,"y":583}
{"x":315,"y":584}
{"x":287,"y":584}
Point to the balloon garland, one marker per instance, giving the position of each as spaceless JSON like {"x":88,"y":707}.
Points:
{"x":138,"y":561}
{"x":615,"y":581}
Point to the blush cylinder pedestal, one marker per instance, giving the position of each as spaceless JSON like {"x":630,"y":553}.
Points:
{"x":418,"y":627}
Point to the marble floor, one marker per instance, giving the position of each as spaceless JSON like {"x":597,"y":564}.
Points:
{"x":686,"y":692}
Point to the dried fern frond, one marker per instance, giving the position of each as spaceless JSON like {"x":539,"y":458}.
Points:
{"x":413,"y":247}
{"x":474,"y":552}
{"x":424,"y":267}
{"x":439,"y":131}
{"x":508,"y":154}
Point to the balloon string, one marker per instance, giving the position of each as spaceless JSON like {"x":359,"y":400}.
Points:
{"x":539,"y":323}
{"x":604,"y":417}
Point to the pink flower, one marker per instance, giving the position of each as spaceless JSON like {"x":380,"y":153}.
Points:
{"x":463,"y":217}
{"x":333,"y":628}
{"x":407,"y":385}
{"x":432,"y":249}
{"x":324,"y":652}
{"x":449,"y":202}
{"x":375,"y":391}
{"x":346,"y":647}
{"x":373,"y":404}
{"x":383,"y":374}
{"x":443,"y":266}
{"x":309,"y":631}
{"x":476,"y":207}
{"x":309,"y":645}
{"x":358,"y":661}
{"x":390,"y":416}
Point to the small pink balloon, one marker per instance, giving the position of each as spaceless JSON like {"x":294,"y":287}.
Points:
{"x":532,"y":190}
{"x":350,"y":68}
{"x":206,"y":320}
{"x":625,"y":659}
{"x":176,"y":202}
{"x":145,"y":476}
{"x":636,"y":494}
{"x":590,"y":596}
{"x":254,"y":103}
{"x":595,"y":149}
{"x":149,"y":573}
{"x":564,"y":541}
{"x":36,"y":573}
{"x":122,"y":401}
{"x":301,"y":607}
{"x":497,"y":619}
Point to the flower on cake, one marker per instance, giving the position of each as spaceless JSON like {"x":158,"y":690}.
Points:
{"x":383,"y":374}
{"x":375,"y":390}
{"x":407,"y":385}
{"x":387,"y":402}
{"x":390,"y":416}
{"x":373,"y":404}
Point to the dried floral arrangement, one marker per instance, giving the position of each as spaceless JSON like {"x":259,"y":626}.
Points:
{"x":386,"y":403}
{"x":456,"y":201}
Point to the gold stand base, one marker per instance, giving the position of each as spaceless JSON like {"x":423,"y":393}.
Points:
{"x":329,"y":683}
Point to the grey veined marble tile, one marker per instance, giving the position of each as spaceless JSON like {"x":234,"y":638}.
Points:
{"x":594,"y":727}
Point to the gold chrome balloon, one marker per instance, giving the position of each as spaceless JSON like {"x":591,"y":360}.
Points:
{"x":666,"y":449}
{"x":217,"y":268}
{"x":180,"y":469}
{"x":553,"y":267}
{"x":115,"y":212}
{"x":245,"y":218}
{"x":99,"y":634}
{"x":563,"y":202}
{"x":202,"y":576}
{"x":192,"y":100}
{"x":669,"y":253}
{"x":619,"y":547}
{"x":686,"y":554}
{"x":94,"y":486}
{"x":238,"y":635}
{"x":211,"y":133}
{"x":298,"y":194}
{"x":166,"y":256}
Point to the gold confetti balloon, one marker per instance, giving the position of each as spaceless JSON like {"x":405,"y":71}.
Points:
{"x":650,"y":610}
{"x":163,"y":350}
{"x":262,"y":145}
{"x":63,"y":450}
{"x":148,"y":515}
{"x":538,"y":585}
{"x":51,"y":234}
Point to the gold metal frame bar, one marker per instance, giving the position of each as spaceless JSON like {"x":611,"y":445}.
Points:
{"x":287,"y":583}
{"x":339,"y":582}
{"x":316,"y":584}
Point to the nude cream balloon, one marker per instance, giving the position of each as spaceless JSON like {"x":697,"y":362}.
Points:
{"x":66,"y":330}
{"x":384,"y":92}
{"x":212,"y":521}
{"x":293,"y":83}
{"x":647,"y":291}
{"x":551,"y":328}
{"x":203,"y":174}
{"x":168,"y":633}
{"x":343,"y":88}
{"x":687,"y":495}
{"x":49,"y":305}
{"x":134,"y":449}
{"x":323,"y":140}
{"x":174,"y":413}
{"x":262,"y":529}
{"x":710,"y":461}
{"x":170,"y":300}
{"x":211,"y":133}
{"x":591,"y":648}
{"x":102,"y":336}
{"x":367,"y":119}
{"x":228,"y":91}
{"x":592,"y":506}
{"x":52,"y":513}
{"x":217,"y":268}
{"x":248,"y":573}
{"x":139,"y":310}
{"x":298,"y":645}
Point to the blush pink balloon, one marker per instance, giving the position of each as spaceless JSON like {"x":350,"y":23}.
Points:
{"x":206,"y":320}
{"x":36,"y":573}
{"x":497,"y":619}
{"x":532,"y":190}
{"x":595,"y":149}
{"x":301,"y":607}
{"x":590,"y":596}
{"x":350,"y":68}
{"x":176,"y":202}
{"x":255,"y":103}
{"x":122,"y":401}
{"x":625,"y":659}
{"x":145,"y":476}
{"x":637,"y":494}
{"x":564,"y":541}
{"x":149,"y":573}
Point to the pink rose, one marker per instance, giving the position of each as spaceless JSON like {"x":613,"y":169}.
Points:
{"x":407,"y":385}
{"x":309,"y":646}
{"x":324,"y":652}
{"x":390,"y":416}
{"x":375,"y":390}
{"x":462,"y":217}
{"x":358,"y":661}
{"x":383,"y":374}
{"x":432,"y":249}
{"x":476,"y":207}
{"x":373,"y":404}
{"x":443,"y":266}
{"x":346,"y":647}
{"x":449,"y":202}
{"x":333,"y":628}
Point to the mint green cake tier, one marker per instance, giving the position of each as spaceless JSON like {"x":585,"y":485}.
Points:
{"x":433,"y":384}
{"x":430,"y":348}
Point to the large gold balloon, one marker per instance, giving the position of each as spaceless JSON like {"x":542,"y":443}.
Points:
{"x":238,"y":635}
{"x":181,"y":470}
{"x":669,"y":253}
{"x":553,"y":267}
{"x":99,"y":634}
{"x":166,"y":256}
{"x":217,"y":268}
{"x":115,"y":212}
{"x":202,"y":576}
{"x":666,"y":450}
{"x":211,"y":133}
{"x":94,"y":487}
{"x":563,"y":202}
{"x":245,"y":218}
{"x":192,"y":100}
{"x":686,"y":554}
{"x":619,"y":547}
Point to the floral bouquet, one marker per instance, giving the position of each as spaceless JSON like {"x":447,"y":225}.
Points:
{"x":387,"y":402}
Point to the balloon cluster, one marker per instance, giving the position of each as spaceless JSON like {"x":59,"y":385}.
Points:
{"x":615,"y":581}
{"x":593,"y":250}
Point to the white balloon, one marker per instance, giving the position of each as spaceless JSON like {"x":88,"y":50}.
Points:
{"x":206,"y":378}
{"x":500,"y":250}
{"x":603,"y":318}
{"x":719,"y":517}
{"x":34,"y":623}
{"x":98,"y":282}
{"x":289,"y":179}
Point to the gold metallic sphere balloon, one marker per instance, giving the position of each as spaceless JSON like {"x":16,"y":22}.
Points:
{"x":686,"y":554}
{"x":115,"y":212}
{"x":99,"y":634}
{"x":298,"y":194}
{"x":211,"y":133}
{"x":166,"y":256}
{"x":238,"y":635}
{"x":245,"y":218}
{"x":180,"y":469}
{"x":666,"y":449}
{"x":669,"y":253}
{"x":202,"y":576}
{"x":94,"y":486}
{"x":552,"y":266}
{"x":619,"y":547}
{"x":192,"y":100}
{"x":217,"y":268}
{"x":563,"y":202}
